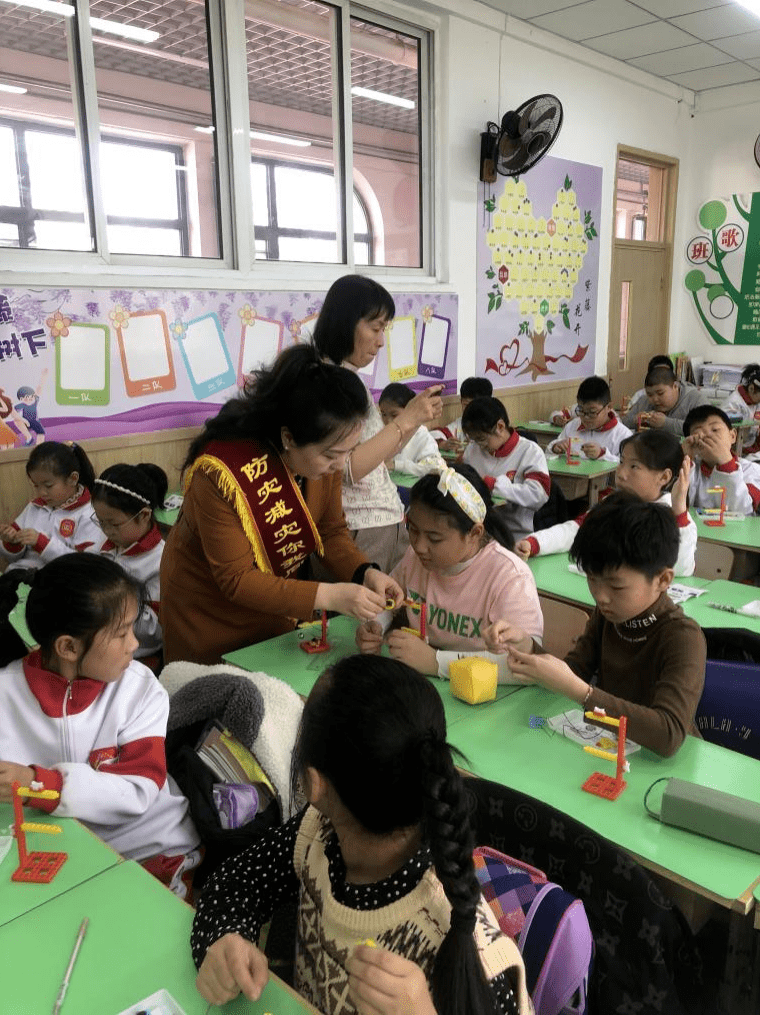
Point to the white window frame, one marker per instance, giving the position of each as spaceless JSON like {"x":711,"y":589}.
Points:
{"x":237,"y":266}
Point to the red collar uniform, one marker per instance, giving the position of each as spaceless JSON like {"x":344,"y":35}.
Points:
{"x":739,"y":477}
{"x":607,"y":437}
{"x":62,"y":530}
{"x":739,"y":403}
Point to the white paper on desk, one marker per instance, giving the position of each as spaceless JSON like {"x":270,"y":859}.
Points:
{"x":681,"y":593}
{"x":173,"y":502}
{"x":751,"y":609}
{"x":572,"y":725}
{"x":576,"y":569}
{"x":6,"y":841}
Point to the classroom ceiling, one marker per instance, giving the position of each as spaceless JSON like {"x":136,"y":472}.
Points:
{"x":700,"y":44}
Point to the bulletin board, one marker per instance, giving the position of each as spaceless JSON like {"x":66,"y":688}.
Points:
{"x":99,"y":362}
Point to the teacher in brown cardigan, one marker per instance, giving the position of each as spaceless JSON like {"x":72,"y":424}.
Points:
{"x":263,"y":493}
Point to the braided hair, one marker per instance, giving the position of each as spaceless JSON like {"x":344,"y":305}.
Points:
{"x":377,"y":730}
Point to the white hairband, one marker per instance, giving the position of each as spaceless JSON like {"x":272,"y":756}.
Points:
{"x":123,"y":489}
{"x":461,"y":489}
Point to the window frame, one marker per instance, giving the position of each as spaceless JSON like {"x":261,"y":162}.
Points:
{"x":237,"y":262}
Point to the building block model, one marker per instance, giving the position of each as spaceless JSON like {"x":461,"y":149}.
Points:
{"x":38,"y":868}
{"x":600,"y":784}
{"x":473,"y":679}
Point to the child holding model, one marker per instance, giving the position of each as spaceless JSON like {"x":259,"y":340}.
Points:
{"x":595,"y":432}
{"x":710,"y":441}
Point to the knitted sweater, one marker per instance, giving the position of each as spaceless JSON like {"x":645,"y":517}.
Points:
{"x":688,"y":398}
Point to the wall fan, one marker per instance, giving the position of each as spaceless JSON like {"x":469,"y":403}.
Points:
{"x":525,"y":136}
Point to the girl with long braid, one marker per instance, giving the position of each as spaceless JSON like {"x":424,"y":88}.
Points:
{"x":390,"y":916}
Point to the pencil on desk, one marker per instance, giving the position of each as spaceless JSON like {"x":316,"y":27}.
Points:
{"x":724,"y":607}
{"x":67,"y":975}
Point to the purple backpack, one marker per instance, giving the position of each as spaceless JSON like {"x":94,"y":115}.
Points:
{"x":549,"y":926}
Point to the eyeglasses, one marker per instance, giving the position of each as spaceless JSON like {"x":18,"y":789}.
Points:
{"x":588,"y":413}
{"x":113,"y":526}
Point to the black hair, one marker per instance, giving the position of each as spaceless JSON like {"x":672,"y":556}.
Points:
{"x":625,"y":531}
{"x":397,"y":394}
{"x":425,"y":491}
{"x":660,"y":360}
{"x":594,"y":389}
{"x":349,"y":299}
{"x":143,"y":485}
{"x":62,"y":460}
{"x":751,"y":375}
{"x":300,"y":392}
{"x":702,"y":412}
{"x":76,"y":594}
{"x":475,"y":387}
{"x":376,"y":729}
{"x":482,"y":415}
{"x":657,"y":450}
{"x":660,"y":375}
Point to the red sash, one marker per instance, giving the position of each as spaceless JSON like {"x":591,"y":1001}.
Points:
{"x":267,"y":501}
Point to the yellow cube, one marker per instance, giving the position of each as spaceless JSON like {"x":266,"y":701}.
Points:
{"x":473,"y":679}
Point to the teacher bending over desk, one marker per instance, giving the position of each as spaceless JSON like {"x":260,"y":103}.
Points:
{"x":262,"y":493}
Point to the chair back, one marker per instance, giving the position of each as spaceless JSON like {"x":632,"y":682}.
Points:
{"x":563,"y":625}
{"x":729,"y":709}
{"x":713,"y":560}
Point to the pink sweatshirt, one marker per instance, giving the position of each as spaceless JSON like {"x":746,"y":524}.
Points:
{"x":493,"y":585}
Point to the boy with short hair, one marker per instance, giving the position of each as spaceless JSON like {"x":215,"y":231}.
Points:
{"x":710,"y":440}
{"x":451,"y":435}
{"x":666,"y":402}
{"x":513,"y":467}
{"x":421,"y":445}
{"x":639,"y":656}
{"x":595,"y":430}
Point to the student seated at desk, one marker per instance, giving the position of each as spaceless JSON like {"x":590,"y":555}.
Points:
{"x":596,"y":431}
{"x":710,"y":440}
{"x":452,"y":436}
{"x":745,"y":402}
{"x":461,"y":565}
{"x":510,"y":464}
{"x":124,"y":499}
{"x":666,"y":402}
{"x":639,"y":656}
{"x":653,"y":467}
{"x":84,"y":719}
{"x":392,"y":401}
{"x":390,"y":914}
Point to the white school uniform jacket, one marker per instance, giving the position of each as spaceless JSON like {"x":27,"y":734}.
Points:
{"x":559,"y":538}
{"x":62,"y":530}
{"x":101,"y":745}
{"x":451,"y":432}
{"x":143,"y":561}
{"x":739,"y":477}
{"x":608,"y":437}
{"x":517,"y":472}
{"x":739,"y":403}
{"x":421,"y":445}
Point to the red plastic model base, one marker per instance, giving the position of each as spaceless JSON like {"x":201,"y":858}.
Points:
{"x":40,"y":868}
{"x":314,"y":646}
{"x":604,"y":785}
{"x":710,"y":521}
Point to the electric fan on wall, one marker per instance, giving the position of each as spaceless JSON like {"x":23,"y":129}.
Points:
{"x":525,"y":136}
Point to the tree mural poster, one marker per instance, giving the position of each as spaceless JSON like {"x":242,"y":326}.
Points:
{"x":538,"y":274}
{"x":723,"y":274}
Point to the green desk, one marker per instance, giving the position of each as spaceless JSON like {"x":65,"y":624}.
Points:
{"x":137,"y":942}
{"x":729,"y":594}
{"x":740,"y":535}
{"x":500,"y":741}
{"x":88,"y":856}
{"x":543,"y":431}
{"x":166,"y":519}
{"x":282,"y":658}
{"x":587,"y":477}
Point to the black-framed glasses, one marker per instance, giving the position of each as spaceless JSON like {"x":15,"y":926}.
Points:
{"x":588,"y":413}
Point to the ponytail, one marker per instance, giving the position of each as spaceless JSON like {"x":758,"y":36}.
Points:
{"x":425,"y":491}
{"x":62,"y":459}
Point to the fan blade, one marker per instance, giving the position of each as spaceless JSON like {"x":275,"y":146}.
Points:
{"x":517,"y":155}
{"x":508,"y":146}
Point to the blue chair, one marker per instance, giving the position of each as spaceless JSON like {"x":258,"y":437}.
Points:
{"x":729,"y":709}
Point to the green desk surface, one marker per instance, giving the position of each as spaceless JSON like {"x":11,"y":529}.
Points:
{"x":590,"y":469}
{"x":281,"y":657}
{"x":88,"y":856}
{"x":137,"y":942}
{"x":729,"y":594}
{"x":744,"y":533}
{"x":167,"y":518}
{"x":502,"y":746}
{"x":539,"y":426}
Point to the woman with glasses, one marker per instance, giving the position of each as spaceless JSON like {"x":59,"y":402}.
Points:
{"x":594,"y":432}
{"x":124,"y":498}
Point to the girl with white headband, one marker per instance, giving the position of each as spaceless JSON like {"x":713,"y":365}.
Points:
{"x":124,"y":498}
{"x":461,"y":565}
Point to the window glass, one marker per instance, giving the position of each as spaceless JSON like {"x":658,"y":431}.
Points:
{"x":9,"y":192}
{"x":639,"y":201}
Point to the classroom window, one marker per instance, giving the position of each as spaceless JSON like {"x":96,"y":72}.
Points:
{"x":639,"y":204}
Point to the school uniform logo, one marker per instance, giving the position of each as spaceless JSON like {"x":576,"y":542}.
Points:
{"x":66,"y":528}
{"x":511,"y":475}
{"x":103,"y":756}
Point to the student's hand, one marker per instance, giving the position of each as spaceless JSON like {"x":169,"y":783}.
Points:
{"x":383,"y":983}
{"x":559,"y":447}
{"x":557,"y":418}
{"x":501,"y":636}
{"x":592,"y":450}
{"x":681,"y":486}
{"x":10,"y":773}
{"x":424,"y":407}
{"x":449,"y":444}
{"x":690,"y":447}
{"x":550,"y":672}
{"x":522,"y":549}
{"x":655,"y":419}
{"x":232,"y":965}
{"x":413,"y":651}
{"x":369,"y":638}
{"x":715,"y":449}
{"x":383,"y":585}
{"x":349,"y":599}
{"x":8,"y":533}
{"x":26,"y":537}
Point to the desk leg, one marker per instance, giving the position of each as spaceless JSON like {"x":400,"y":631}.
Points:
{"x":595,"y":486}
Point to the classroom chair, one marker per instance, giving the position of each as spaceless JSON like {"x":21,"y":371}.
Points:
{"x":729,"y":709}
{"x":713,"y":560}
{"x":646,"y":958}
{"x":563,"y":625}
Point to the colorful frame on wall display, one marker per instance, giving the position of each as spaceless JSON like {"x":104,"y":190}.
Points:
{"x":434,"y":345}
{"x":260,"y":342}
{"x":146,"y":355}
{"x":401,"y":343}
{"x":206,"y":356}
{"x":82,"y":366}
